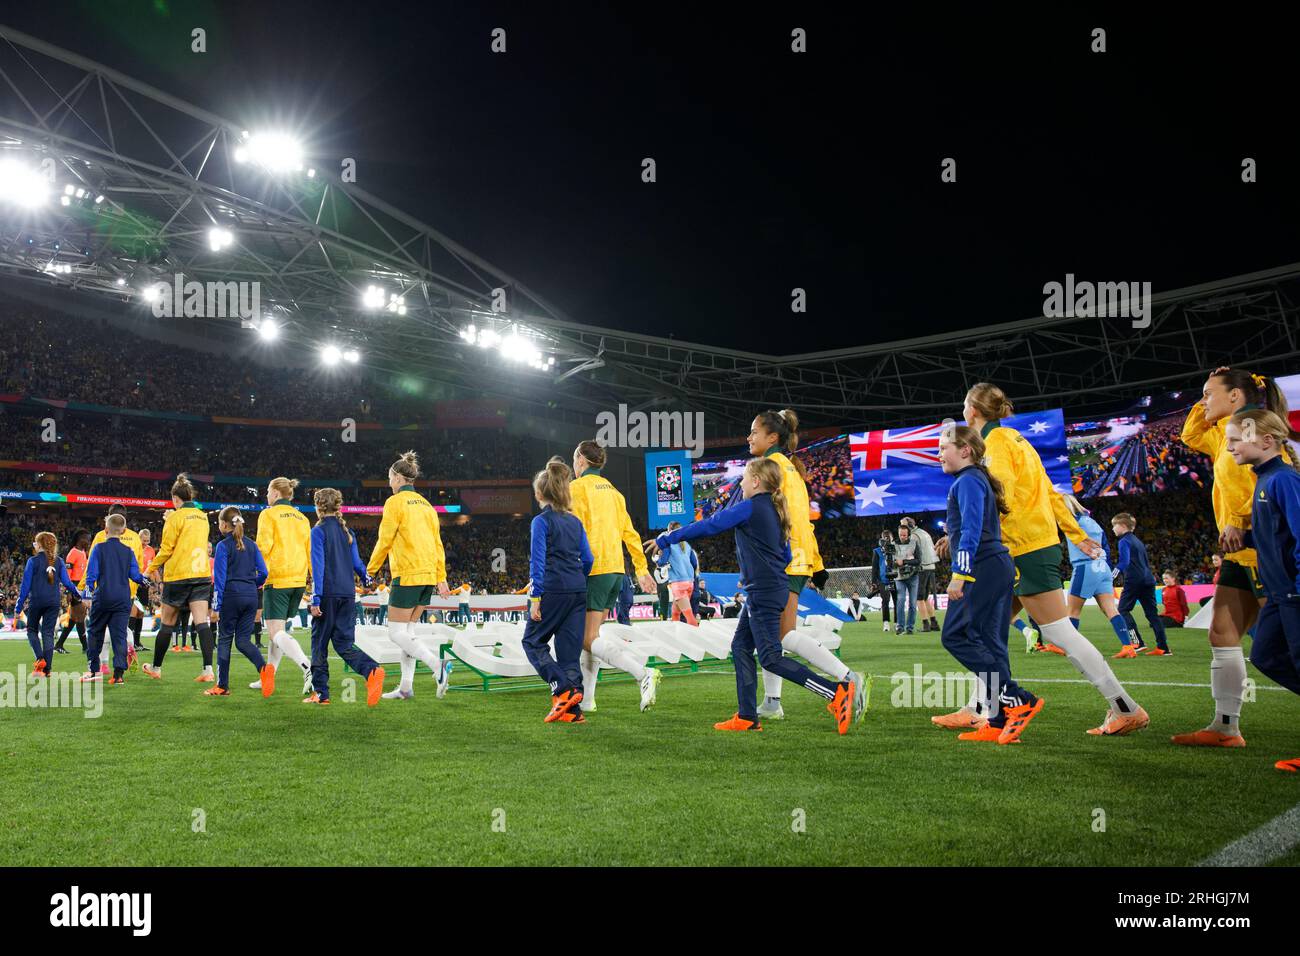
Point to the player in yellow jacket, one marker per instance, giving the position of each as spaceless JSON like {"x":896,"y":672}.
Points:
{"x":410,"y":541}
{"x":182,"y":565}
{"x":603,"y":512}
{"x":775,"y":435}
{"x":1238,"y":594}
{"x":1031,"y":531}
{"x":284,"y":538}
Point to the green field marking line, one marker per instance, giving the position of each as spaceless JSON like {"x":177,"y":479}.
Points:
{"x":1261,"y":846}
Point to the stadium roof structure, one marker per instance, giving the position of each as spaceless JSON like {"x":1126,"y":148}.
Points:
{"x":168,"y":174}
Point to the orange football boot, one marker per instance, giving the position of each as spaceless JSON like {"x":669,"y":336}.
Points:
{"x":1018,"y":719}
{"x":959,"y":720}
{"x":1291,"y":766}
{"x":987,"y":734}
{"x":738,"y":723}
{"x":374,"y":686}
{"x":841,"y":707}
{"x":1208,"y":738}
{"x":1128,"y":650}
{"x":1116,"y":725}
{"x":267,"y":673}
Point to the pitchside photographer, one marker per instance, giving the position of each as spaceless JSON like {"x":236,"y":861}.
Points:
{"x":883,"y":583}
{"x":925,"y":579}
{"x":907,"y":564}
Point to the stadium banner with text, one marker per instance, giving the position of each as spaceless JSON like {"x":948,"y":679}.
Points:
{"x":471,"y":413}
{"x":51,"y":497}
{"x":497,"y":501}
{"x":897,"y":470}
{"x":669,"y":496}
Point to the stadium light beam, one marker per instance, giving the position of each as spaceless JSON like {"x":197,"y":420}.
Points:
{"x":274,"y":152}
{"x":331,"y":355}
{"x":268,"y":330}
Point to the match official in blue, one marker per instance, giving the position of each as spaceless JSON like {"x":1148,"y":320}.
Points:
{"x":762,"y":527}
{"x":559,"y":560}
{"x":238,"y":570}
{"x":979,"y":592}
{"x":44,"y":573}
{"x":109,"y":575}
{"x":334,"y":562}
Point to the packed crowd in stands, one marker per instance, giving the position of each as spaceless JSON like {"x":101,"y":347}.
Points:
{"x":1154,"y":459}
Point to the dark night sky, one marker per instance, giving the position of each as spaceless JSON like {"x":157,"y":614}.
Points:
{"x":775,"y":170}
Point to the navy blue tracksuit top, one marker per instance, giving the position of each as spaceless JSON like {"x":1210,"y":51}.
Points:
{"x":761,"y":551}
{"x":1133,"y":562}
{"x":334,"y":560}
{"x":973,"y":521}
{"x":1275,"y":523}
{"x":109,"y":575}
{"x":236,"y":573}
{"x":559,"y":555}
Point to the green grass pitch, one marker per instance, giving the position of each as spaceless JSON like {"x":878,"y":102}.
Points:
{"x":479,"y":779}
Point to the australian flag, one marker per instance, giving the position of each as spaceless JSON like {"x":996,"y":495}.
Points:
{"x":897,"y":470}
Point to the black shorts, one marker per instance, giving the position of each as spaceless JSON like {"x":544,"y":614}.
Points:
{"x":186,"y":591}
{"x":925,"y":589}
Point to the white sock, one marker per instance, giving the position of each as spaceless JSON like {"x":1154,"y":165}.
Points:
{"x":1227,"y":677}
{"x":104,"y":652}
{"x":274,"y":654}
{"x":811,"y":650}
{"x":407,"y":685}
{"x":771,"y":686}
{"x":290,"y":648}
{"x":590,"y":672}
{"x":1088,"y":661}
{"x":612,"y":652}
{"x":400,"y":633}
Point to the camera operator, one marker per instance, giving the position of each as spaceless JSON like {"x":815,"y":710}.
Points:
{"x":925,"y":579}
{"x":883,"y":585}
{"x":907,"y":565}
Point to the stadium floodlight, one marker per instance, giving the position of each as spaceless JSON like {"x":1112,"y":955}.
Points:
{"x":64,"y":200}
{"x":98,"y":200}
{"x":373,"y":297}
{"x":331,"y":355}
{"x":274,"y":152}
{"x":151,"y":292}
{"x":352,"y":356}
{"x":80,"y":193}
{"x":22,"y":185}
{"x":121,"y":281}
{"x":69,"y":189}
{"x":397,"y":303}
{"x":311,"y":173}
{"x":268,"y":329}
{"x":219,"y":238}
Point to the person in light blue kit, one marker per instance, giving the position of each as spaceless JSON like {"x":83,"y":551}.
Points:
{"x":42,"y":577}
{"x":238,"y":570}
{"x":1259,"y":438}
{"x":762,"y":533}
{"x":683,"y":566}
{"x":1093,"y":578}
{"x":559,"y":560}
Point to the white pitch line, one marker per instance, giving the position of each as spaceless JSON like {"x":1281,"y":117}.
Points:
{"x":1077,"y":680}
{"x":1262,"y":845}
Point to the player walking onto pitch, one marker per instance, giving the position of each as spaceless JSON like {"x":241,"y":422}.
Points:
{"x":136,"y":543}
{"x":1092,"y":578}
{"x":109,"y":573}
{"x":1030,"y":531}
{"x":334,"y":563}
{"x":1237,"y":590}
{"x":683,"y":568}
{"x":603,"y":513}
{"x":979,"y":591}
{"x":237,"y":572}
{"x":284,"y":539}
{"x":1257,"y":438}
{"x":774,"y":435}
{"x":182,"y":565}
{"x":410,"y":541}
{"x":559,"y":560}
{"x":76,"y":562}
{"x":762,"y":526}
{"x":42,"y":576}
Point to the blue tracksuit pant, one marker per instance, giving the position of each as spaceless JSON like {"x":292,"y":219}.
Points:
{"x":563,"y":617}
{"x":759,"y":629}
{"x":337,"y":624}
{"x":40,"y":631}
{"x":236,"y":626}
{"x":1276,"y":647}
{"x":110,"y":618}
{"x":975,"y":633}
{"x":1144,"y":594}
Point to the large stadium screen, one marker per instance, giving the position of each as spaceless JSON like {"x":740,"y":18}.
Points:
{"x":830,"y":480}
{"x":1139,"y":450}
